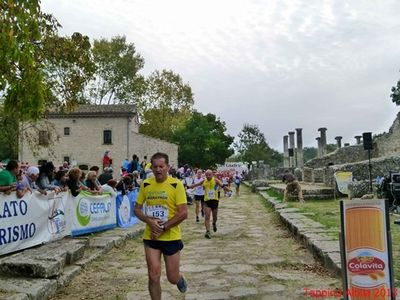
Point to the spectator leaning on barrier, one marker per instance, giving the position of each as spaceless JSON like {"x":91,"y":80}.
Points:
{"x":91,"y":182}
{"x":46,"y":176}
{"x":8,"y":180}
{"x":60,"y":179}
{"x":29,"y":180}
{"x":74,"y":183}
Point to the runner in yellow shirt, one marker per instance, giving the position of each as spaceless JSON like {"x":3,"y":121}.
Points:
{"x":211,"y":200}
{"x":165,"y":209}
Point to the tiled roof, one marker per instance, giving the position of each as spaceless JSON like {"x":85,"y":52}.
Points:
{"x":87,"y":110}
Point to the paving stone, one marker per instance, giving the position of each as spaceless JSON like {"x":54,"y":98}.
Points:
{"x":238,"y":268}
{"x":36,"y":289}
{"x":198,"y":268}
{"x":266,"y":261}
{"x":243,"y":291}
{"x":217,"y":295}
{"x":68,"y":274}
{"x":272,"y":289}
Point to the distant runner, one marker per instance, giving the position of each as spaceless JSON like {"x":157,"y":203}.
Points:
{"x":211,"y":200}
{"x":199,"y":194}
{"x":237,"y":179}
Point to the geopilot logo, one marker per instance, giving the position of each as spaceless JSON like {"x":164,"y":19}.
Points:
{"x":83,"y":212}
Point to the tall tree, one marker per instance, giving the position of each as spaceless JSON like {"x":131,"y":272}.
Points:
{"x":68,"y":68}
{"x":167,"y":104}
{"x":116,"y":78}
{"x":22,"y":85}
{"x":202,"y":141}
{"x":252,"y":146}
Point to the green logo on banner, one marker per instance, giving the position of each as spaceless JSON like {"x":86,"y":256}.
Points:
{"x":83,"y":212}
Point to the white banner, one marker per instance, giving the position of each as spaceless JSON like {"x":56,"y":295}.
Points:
{"x":32,"y":220}
{"x":92,"y":213}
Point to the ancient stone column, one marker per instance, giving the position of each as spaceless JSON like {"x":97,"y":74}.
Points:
{"x":339,"y":141}
{"x":319,"y":146}
{"x":299,"y":149}
{"x":291,"y":146}
{"x":285,"y":151}
{"x":358,"y":139}
{"x":323,"y":140}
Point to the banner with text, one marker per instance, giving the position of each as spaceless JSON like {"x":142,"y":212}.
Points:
{"x":366,"y":250}
{"x":32,"y":220}
{"x":90,"y":213}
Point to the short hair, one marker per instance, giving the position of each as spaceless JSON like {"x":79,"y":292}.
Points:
{"x":12,"y":164}
{"x":159,"y":155}
{"x":94,"y":168}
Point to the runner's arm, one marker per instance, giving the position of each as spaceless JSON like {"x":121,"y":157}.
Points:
{"x":180,"y":215}
{"x":152,"y":222}
{"x":196,"y":184}
{"x":226,"y":189}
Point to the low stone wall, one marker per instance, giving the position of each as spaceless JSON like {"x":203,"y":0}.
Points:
{"x":360,"y":170}
{"x":343,"y":155}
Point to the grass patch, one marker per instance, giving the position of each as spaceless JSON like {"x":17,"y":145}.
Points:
{"x":275,"y":194}
{"x":327,"y":213}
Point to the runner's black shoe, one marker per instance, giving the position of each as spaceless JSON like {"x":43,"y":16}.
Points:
{"x":207,"y":235}
{"x":182,"y":285}
{"x":215,"y":227}
{"x":197,"y":219}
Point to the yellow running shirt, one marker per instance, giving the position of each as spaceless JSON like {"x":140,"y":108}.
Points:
{"x":161,"y":200}
{"x":210,"y":189}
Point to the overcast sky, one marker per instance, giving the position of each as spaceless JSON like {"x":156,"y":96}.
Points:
{"x":279,"y":64}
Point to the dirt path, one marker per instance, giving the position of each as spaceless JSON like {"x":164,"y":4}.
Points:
{"x":250,"y":257}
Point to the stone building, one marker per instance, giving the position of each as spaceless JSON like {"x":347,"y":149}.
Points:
{"x":82,"y":137}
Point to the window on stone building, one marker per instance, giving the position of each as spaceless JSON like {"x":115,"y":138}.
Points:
{"x":43,"y":138}
{"x":66,"y":158}
{"x":66,"y":130}
{"x":107,"y":137}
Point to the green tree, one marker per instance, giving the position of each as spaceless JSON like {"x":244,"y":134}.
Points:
{"x":309,"y":153}
{"x":68,"y":68}
{"x":166,"y":106}
{"x":22,"y":84}
{"x":116,"y":78}
{"x":202,"y":141}
{"x":252,"y":146}
{"x":395,"y":95}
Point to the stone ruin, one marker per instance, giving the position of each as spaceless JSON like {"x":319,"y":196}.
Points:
{"x":385,"y":157}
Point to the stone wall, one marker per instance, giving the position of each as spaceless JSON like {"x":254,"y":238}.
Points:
{"x":379,"y":166}
{"x":343,"y":155}
{"x":388,"y":144}
{"x":144,"y":145}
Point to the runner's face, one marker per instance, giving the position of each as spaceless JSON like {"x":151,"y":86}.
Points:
{"x":160,"y":169}
{"x":209,"y":175}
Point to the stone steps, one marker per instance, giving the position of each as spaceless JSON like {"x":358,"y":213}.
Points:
{"x":308,"y":194}
{"x":38,"y":272}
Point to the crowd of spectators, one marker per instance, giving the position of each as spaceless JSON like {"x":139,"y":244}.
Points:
{"x":24,"y":178}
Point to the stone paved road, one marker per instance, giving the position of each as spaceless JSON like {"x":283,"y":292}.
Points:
{"x":250,"y":257}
